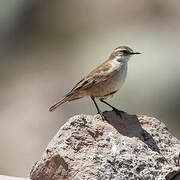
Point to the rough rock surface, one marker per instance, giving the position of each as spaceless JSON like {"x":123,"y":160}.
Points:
{"x":124,"y":148}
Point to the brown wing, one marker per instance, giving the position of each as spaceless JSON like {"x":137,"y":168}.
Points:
{"x":99,"y":74}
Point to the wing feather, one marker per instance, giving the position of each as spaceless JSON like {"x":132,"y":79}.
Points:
{"x":98,"y":75}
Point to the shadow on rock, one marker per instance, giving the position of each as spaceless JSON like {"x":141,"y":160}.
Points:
{"x":128,"y":125}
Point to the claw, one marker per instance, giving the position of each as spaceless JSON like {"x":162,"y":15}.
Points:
{"x":102,"y":115}
{"x":118,"y":112}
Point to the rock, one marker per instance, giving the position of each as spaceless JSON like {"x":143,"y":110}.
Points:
{"x":126,"y":147}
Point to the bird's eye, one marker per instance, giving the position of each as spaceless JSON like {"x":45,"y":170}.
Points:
{"x":125,"y":52}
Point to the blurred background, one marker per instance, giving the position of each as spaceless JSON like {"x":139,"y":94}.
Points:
{"x":46,"y":48}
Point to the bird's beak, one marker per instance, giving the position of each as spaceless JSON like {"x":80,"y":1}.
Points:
{"x":133,"y":53}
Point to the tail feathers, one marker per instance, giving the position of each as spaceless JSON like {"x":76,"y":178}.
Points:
{"x":67,"y":98}
{"x":52,"y":108}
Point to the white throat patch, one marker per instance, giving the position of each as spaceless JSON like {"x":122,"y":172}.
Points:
{"x":121,"y":58}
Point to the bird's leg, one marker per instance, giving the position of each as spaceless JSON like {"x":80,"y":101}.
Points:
{"x":98,"y":110}
{"x":115,"y":109}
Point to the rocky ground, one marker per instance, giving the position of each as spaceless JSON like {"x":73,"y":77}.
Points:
{"x":123,"y":147}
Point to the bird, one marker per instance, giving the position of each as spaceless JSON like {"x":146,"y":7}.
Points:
{"x":102,"y":82}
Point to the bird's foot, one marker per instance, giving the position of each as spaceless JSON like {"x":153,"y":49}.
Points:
{"x":118,"y":112}
{"x":102,"y":115}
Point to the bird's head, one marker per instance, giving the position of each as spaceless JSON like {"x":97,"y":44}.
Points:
{"x":123,"y":53}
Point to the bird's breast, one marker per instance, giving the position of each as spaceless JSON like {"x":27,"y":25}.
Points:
{"x":113,"y":84}
{"x":115,"y":80}
{"x":119,"y":77}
